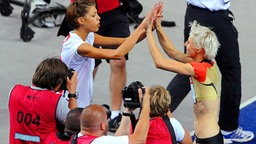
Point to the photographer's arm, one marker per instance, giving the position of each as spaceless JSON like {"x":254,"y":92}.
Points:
{"x":72,"y":103}
{"x":124,"y":128}
{"x":71,"y":86}
{"x":142,"y":127}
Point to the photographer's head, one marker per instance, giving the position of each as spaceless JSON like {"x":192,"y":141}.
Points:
{"x":94,"y":120}
{"x":160,"y":100}
{"x":50,"y":73}
{"x":72,"y":121}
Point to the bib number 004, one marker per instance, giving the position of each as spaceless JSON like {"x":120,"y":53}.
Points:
{"x":28,"y":119}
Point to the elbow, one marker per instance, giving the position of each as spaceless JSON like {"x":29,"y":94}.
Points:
{"x":142,"y":140}
{"x":116,"y":56}
{"x":158,"y":64}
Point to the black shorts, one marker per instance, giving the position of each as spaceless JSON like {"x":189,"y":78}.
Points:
{"x":218,"y":139}
{"x":113,"y":24}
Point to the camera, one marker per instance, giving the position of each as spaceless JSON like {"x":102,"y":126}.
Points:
{"x":131,"y":96}
{"x":64,"y":83}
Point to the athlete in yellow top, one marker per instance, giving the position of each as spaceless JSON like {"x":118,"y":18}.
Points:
{"x":198,"y":63}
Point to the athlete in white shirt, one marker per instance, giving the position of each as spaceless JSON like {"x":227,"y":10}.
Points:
{"x":78,"y":50}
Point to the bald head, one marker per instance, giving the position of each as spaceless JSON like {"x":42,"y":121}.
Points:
{"x":92,"y":117}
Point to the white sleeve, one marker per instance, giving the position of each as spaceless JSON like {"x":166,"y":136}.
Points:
{"x":178,"y":129}
{"x":62,"y":109}
{"x":111,"y":140}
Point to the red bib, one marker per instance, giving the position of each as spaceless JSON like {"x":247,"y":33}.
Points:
{"x":158,"y":132}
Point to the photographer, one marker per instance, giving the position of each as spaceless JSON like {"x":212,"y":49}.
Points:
{"x":94,"y":125}
{"x":164,"y":128}
{"x":36,"y":111}
{"x":72,"y":125}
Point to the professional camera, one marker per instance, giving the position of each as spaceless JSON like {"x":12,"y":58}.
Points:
{"x":131,"y":96}
{"x":64,"y":83}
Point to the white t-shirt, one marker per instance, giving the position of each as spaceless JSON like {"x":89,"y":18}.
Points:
{"x":213,"y":5}
{"x":111,"y":140}
{"x":178,"y":129}
{"x":82,"y":65}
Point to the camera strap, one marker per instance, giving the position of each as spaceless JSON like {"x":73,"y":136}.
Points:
{"x":133,"y":121}
{"x":170,"y":128}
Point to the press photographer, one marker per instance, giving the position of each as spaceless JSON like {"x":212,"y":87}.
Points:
{"x":163,"y":128}
{"x":94,"y":124}
{"x":37,"y":110}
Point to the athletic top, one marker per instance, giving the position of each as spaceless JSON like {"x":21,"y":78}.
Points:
{"x":212,"y":5}
{"x":84,"y":66}
{"x":206,"y":82}
{"x":159,"y":133}
{"x":32,"y":114}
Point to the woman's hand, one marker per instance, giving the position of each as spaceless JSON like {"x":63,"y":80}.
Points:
{"x":159,"y":15}
{"x":151,"y":15}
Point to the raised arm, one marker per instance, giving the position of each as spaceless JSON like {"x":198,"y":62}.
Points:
{"x":125,"y":125}
{"x":71,"y":86}
{"x":159,"y":59}
{"x":126,"y":43}
{"x":106,"y":41}
{"x":165,"y":42}
{"x":142,"y":127}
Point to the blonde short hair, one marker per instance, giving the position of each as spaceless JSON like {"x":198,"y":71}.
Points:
{"x":160,"y":100}
{"x":204,"y":38}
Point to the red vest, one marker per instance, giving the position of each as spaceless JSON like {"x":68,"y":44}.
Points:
{"x":32,"y":114}
{"x":158,"y":132}
{"x":53,"y":139}
{"x":85,"y":139}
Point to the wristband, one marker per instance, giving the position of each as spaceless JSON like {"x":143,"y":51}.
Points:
{"x":75,"y":95}
{"x":126,"y":114}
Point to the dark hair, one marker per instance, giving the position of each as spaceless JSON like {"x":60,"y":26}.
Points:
{"x":50,"y":73}
{"x":76,"y":9}
{"x":72,"y":123}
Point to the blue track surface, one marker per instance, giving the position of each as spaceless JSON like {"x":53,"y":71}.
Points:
{"x":247,"y":119}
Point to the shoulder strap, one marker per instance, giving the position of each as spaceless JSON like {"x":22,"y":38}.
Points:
{"x":133,"y":121}
{"x":74,"y":138}
{"x":170,"y":128}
